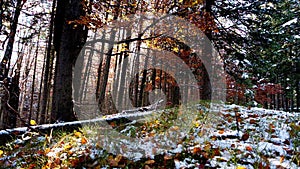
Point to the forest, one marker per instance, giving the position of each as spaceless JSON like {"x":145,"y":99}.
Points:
{"x":149,"y":84}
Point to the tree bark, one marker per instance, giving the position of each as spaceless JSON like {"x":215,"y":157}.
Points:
{"x":10,"y":107}
{"x":206,"y":92}
{"x":68,"y":42}
{"x":47,"y":68}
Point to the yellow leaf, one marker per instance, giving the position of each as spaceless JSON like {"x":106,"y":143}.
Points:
{"x":281,"y":159}
{"x":197,"y":124}
{"x":67,"y":146}
{"x":32,"y":122}
{"x":1,"y":153}
{"x":77,"y":134}
{"x":207,"y":147}
{"x":175,"y":49}
{"x":156,"y":122}
{"x":47,"y":150}
{"x":241,"y":167}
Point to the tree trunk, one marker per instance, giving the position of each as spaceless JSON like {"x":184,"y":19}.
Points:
{"x":121,"y":78}
{"x":5,"y":63}
{"x":33,"y":80}
{"x":10,"y":109}
{"x":298,"y":95}
{"x":47,"y":68}
{"x":68,"y":42}
{"x":206,"y":92}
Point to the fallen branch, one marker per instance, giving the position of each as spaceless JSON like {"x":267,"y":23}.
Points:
{"x":9,"y":134}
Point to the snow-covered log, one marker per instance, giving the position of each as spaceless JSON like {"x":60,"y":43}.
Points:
{"x":133,"y":114}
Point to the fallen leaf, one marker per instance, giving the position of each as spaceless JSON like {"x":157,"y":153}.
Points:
{"x":217,"y":152}
{"x":174,"y":128}
{"x":252,"y":121}
{"x":150,"y":162}
{"x":77,"y":134}
{"x":167,"y":157}
{"x":83,"y":140}
{"x":207,"y":147}
{"x":196,"y":150}
{"x":281,"y":159}
{"x":249,"y":148}
{"x":272,"y":126}
{"x":67,"y":146}
{"x":32,"y":122}
{"x":245,"y":137}
{"x":241,"y":167}
{"x":47,"y":150}
{"x":221,"y":131}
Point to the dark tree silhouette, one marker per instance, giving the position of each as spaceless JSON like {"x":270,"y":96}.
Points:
{"x":69,"y":39}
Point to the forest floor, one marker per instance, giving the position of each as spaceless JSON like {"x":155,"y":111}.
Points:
{"x":244,"y":138}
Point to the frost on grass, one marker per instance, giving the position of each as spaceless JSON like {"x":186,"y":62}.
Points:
{"x":267,"y":139}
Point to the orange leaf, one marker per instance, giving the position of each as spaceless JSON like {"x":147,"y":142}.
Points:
{"x":252,"y":121}
{"x":249,"y":148}
{"x":221,"y":131}
{"x":167,"y":157}
{"x":281,"y":159}
{"x":74,"y":162}
{"x":47,"y":150}
{"x":150,"y":162}
{"x":272,"y":126}
{"x":148,"y":87}
{"x":196,"y":150}
{"x":83,"y":140}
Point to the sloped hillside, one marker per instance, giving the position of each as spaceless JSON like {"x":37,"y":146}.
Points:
{"x":244,"y":138}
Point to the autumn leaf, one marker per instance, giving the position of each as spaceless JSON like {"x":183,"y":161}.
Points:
{"x":281,"y":159}
{"x":47,"y":150}
{"x":174,"y":128}
{"x":271,"y":126}
{"x":1,"y":153}
{"x":241,"y":167}
{"x":245,"y":136}
{"x":175,"y":49}
{"x":167,"y":157}
{"x":252,"y":121}
{"x":67,"y":146}
{"x":77,"y":134}
{"x":196,"y":150}
{"x":74,"y":162}
{"x":207,"y":147}
{"x":150,"y":162}
{"x":196,"y":124}
{"x":83,"y":140}
{"x":32,"y":122}
{"x":249,"y":148}
{"x":221,"y":131}
{"x":114,"y":162}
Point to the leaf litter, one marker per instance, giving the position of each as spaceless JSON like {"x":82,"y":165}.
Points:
{"x":266,"y":139}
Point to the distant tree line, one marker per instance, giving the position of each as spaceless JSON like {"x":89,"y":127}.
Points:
{"x":258,"y":42}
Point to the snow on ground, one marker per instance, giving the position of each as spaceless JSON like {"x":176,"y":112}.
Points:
{"x":265,"y":139}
